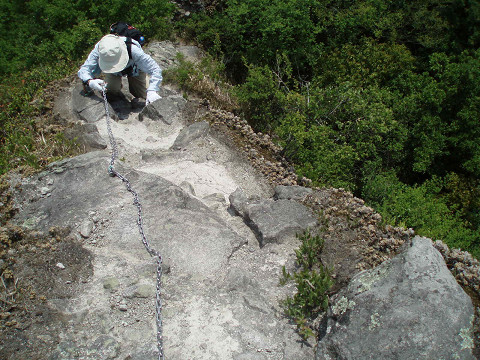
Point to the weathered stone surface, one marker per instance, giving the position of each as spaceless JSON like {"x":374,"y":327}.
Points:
{"x":276,"y":220}
{"x":291,"y":192}
{"x":215,"y":197}
{"x":165,"y":53}
{"x":139,"y":291}
{"x":164,"y":109}
{"x":188,"y":187}
{"x":87,"y":135}
{"x":94,"y":141}
{"x":83,"y":184}
{"x":111,"y":284}
{"x":104,"y":347}
{"x":239,"y":202}
{"x":89,"y":108}
{"x":272,"y":220}
{"x":410,"y":307}
{"x":190,"y":133}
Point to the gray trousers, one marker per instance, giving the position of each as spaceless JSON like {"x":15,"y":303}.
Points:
{"x":137,"y":85}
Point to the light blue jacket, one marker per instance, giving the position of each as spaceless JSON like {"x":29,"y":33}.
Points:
{"x":139,"y":60}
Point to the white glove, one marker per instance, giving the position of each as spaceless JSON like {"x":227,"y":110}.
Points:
{"x":152,"y":96}
{"x":96,"y":84}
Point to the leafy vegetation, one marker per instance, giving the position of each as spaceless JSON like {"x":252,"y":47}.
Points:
{"x":24,"y":141}
{"x":40,"y":32}
{"x":379,"y":97}
{"x":204,"y":78}
{"x":312,"y":281}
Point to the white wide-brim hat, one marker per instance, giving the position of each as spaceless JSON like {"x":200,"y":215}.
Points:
{"x":113,"y":54}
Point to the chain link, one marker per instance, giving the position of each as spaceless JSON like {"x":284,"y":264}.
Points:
{"x":154,"y":253}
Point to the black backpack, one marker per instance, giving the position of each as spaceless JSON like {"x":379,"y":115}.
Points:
{"x":130,"y":32}
{"x":127,"y":30}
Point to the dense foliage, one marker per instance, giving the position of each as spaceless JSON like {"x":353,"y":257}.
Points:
{"x":42,"y":41}
{"x":377,"y":96}
{"x":42,"y":32}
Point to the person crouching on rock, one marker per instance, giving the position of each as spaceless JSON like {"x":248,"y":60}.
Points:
{"x":118,"y":56}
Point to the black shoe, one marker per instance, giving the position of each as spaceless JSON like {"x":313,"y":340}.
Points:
{"x":137,"y":103}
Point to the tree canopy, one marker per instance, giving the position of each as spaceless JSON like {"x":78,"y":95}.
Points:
{"x":367,"y":95}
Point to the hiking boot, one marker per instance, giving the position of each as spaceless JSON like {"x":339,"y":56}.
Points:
{"x":137,"y":103}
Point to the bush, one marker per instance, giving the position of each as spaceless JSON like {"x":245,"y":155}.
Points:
{"x":422,"y":208}
{"x":312,"y":280}
{"x":255,"y":31}
{"x":205,"y":79}
{"x":260,"y":99}
{"x":66,"y":30}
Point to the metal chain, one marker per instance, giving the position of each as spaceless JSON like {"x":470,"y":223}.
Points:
{"x":154,"y":253}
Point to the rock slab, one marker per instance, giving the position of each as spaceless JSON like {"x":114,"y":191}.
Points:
{"x":163,"y":109}
{"x":89,"y":108}
{"x":408,"y":308}
{"x":272,"y":220}
{"x":88,"y":135}
{"x":189,"y":134}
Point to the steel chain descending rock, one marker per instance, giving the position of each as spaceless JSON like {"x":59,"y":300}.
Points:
{"x":150,"y":250}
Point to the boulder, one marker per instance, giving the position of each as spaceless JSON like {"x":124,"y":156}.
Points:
{"x":90,"y":108}
{"x":87,"y":135}
{"x":410,"y":307}
{"x":239,"y":202}
{"x":272,"y":220}
{"x":164,"y":109}
{"x":189,"y":134}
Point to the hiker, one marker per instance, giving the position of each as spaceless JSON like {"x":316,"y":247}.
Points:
{"x":118,"y":56}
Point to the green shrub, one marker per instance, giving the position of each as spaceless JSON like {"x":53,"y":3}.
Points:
{"x":255,"y":31}
{"x":18,"y":131}
{"x":422,"y":208}
{"x":312,"y":281}
{"x":261,"y":99}
{"x":66,"y":30}
{"x":205,"y":79}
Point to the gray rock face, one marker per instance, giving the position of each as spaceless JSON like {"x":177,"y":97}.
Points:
{"x":86,"y":228}
{"x":87,"y":134}
{"x":89,"y":108}
{"x":164,"y":109}
{"x":189,"y":134}
{"x":165,"y":53}
{"x":291,"y":192}
{"x":272,"y":220}
{"x":218,"y":293}
{"x":239,"y":202}
{"x":83,"y":184}
{"x":408,"y":308}
{"x":92,"y":138}
{"x":275,"y":220}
